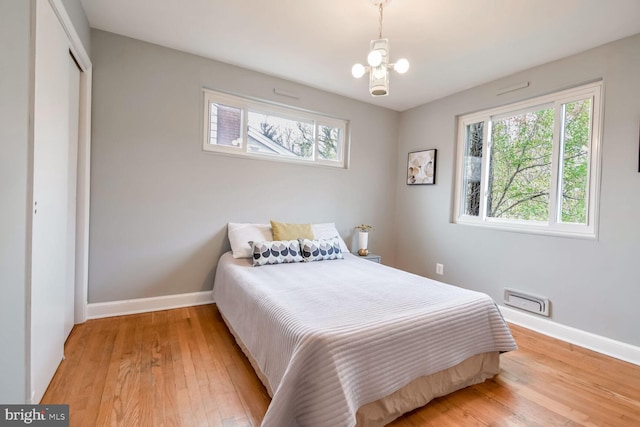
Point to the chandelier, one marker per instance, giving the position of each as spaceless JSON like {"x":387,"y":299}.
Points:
{"x":378,"y":60}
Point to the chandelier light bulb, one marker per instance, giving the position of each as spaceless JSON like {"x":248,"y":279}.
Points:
{"x":402,"y":66}
{"x":358,"y":71}
{"x":374,"y":58}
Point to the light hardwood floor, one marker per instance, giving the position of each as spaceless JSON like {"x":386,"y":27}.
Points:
{"x":182,"y":368}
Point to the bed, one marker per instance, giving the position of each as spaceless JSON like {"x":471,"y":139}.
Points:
{"x":349,"y":342}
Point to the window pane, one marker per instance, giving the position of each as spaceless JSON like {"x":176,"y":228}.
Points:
{"x":520,"y":166}
{"x":473,"y":168}
{"x":270,"y":134}
{"x":575,"y":161}
{"x":328,"y":142}
{"x":225,"y":125}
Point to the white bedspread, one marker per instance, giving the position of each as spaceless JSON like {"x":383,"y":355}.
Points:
{"x":331,"y":336}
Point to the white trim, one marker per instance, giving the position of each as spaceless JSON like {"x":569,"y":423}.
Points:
{"x":520,"y":227}
{"x":83,"y":198}
{"x":253,"y":106}
{"x":75,"y":44}
{"x":600,"y":344}
{"x":618,"y":349}
{"x":553,"y":225}
{"x":144,"y":305}
{"x":84,"y":161}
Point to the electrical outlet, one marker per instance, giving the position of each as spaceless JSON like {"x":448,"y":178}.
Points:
{"x":439,"y":269}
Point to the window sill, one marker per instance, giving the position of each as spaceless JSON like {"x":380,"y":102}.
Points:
{"x":528,"y":229}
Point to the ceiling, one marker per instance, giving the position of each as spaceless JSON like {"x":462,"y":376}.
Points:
{"x":452,"y":45}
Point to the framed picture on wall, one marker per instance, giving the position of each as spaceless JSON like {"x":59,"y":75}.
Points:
{"x":421,"y":167}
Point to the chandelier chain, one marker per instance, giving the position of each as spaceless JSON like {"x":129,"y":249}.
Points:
{"x":380,"y":21}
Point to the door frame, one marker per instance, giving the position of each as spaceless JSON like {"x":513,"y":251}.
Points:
{"x":84,"y":162}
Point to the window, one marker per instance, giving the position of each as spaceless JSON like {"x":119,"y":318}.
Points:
{"x":532,"y":166}
{"x":240,"y":126}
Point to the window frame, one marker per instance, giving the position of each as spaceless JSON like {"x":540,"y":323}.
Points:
{"x":553,"y":225}
{"x":247,"y":105}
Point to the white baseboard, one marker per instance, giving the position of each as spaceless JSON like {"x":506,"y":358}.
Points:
{"x":144,"y":305}
{"x":600,"y":344}
{"x":618,"y":349}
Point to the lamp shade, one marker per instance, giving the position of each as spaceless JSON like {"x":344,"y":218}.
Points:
{"x":379,"y":81}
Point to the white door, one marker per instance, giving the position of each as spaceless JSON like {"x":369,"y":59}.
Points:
{"x":74,"y":115}
{"x":50,"y":199}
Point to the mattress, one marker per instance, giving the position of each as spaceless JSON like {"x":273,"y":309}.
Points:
{"x":331,"y":337}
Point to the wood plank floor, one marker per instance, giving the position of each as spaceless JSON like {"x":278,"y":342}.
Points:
{"x":182,"y":368}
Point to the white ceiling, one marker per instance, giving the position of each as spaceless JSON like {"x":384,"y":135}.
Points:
{"x":452,"y":45}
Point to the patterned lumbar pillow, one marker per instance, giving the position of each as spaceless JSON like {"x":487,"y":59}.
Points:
{"x":321,"y":249}
{"x":275,"y":252}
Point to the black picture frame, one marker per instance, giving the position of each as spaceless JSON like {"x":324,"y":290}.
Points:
{"x":421,"y":167}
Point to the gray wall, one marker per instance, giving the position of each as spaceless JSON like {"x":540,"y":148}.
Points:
{"x":80,"y":23}
{"x":593,"y":285}
{"x":14,"y":167}
{"x":160,"y":204}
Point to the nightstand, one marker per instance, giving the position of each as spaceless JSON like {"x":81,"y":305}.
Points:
{"x":371,"y":257}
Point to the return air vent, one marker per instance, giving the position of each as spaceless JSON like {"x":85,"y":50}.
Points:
{"x":528,"y":302}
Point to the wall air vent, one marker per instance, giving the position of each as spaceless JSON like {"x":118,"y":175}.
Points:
{"x":528,"y":302}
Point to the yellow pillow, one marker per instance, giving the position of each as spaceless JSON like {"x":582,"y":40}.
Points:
{"x":283,"y":231}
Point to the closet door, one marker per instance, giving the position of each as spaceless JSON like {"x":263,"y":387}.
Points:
{"x":74,"y":115}
{"x":50,"y":199}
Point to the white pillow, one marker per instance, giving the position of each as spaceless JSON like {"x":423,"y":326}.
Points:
{"x":328,"y":230}
{"x":241,"y":234}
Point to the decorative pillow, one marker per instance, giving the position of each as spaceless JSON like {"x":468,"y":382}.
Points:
{"x":328,"y":230}
{"x":284,"y":231}
{"x":321,"y":249}
{"x":241,"y":234}
{"x":275,"y":252}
